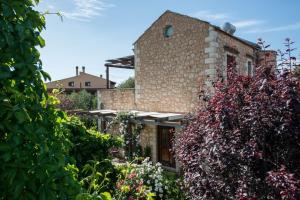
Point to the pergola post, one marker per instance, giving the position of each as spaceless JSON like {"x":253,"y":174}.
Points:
{"x":107,"y":77}
{"x":122,"y":63}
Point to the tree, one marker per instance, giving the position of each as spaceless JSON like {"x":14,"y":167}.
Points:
{"x":245,"y":144}
{"x":34,"y":144}
{"x":83,"y":100}
{"x":129,"y":83}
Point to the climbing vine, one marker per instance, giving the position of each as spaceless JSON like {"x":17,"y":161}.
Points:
{"x":130,"y":133}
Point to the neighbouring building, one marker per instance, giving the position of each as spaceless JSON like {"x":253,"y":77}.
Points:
{"x":82,"y":81}
{"x":176,"y":60}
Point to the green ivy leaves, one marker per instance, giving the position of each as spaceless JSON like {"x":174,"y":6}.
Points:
{"x":34,"y":143}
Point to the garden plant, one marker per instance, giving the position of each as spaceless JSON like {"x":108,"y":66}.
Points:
{"x":245,"y":143}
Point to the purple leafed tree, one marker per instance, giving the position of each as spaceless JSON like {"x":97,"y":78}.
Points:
{"x":245,"y":143}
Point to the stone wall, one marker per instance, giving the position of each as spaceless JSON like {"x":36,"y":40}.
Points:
{"x":167,"y":69}
{"x":117,"y":99}
{"x":149,"y":138}
{"x":241,"y":51}
{"x":267,"y":58}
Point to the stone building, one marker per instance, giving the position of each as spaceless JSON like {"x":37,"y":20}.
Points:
{"x":82,"y":81}
{"x":176,"y":60}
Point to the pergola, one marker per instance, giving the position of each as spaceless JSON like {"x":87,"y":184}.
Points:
{"x":140,"y":117}
{"x":123,"y":63}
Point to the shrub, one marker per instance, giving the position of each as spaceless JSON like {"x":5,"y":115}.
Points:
{"x":245,"y":143}
{"x":91,"y":146}
{"x":175,"y":189}
{"x":129,"y":83}
{"x":96,"y":183}
{"x":34,"y":144}
{"x":83,"y":100}
{"x":148,"y":181}
{"x":141,"y":181}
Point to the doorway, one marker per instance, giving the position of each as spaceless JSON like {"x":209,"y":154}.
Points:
{"x":165,"y":136}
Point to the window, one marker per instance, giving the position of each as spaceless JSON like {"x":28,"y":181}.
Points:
{"x":87,"y":84}
{"x":231,"y":65}
{"x":168,"y":31}
{"x":249,"y":68}
{"x":71,"y":84}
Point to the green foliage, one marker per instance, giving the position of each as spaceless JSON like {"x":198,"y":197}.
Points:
{"x":147,"y":152}
{"x":95,"y":182}
{"x":34,"y":144}
{"x":83,"y":100}
{"x":175,"y":187}
{"x":91,"y":146}
{"x":129,"y":83}
{"x":87,"y":196}
{"x":130,"y":134}
{"x":297,"y":70}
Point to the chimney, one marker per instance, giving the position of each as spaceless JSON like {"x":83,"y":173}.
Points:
{"x":76,"y":70}
{"x":83,"y":69}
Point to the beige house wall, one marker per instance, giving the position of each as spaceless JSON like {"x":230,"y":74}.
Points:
{"x":117,"y":99}
{"x":149,"y":139}
{"x":168,"y":70}
{"x":171,"y":73}
{"x":245,"y":53}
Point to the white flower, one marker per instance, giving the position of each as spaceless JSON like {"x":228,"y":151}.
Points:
{"x":161,"y":195}
{"x":148,"y":182}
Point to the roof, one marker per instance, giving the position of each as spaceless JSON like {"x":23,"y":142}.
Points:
{"x":73,"y":77}
{"x":252,"y":44}
{"x":96,"y":81}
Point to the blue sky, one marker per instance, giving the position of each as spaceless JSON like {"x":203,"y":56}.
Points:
{"x":96,"y":30}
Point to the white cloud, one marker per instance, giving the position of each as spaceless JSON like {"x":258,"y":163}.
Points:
{"x":289,"y":27}
{"x":210,"y":16}
{"x":247,"y":23}
{"x":86,"y":9}
{"x":50,"y":7}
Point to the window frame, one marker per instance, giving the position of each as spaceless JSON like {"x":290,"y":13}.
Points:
{"x":71,"y":84}
{"x":166,"y":32}
{"x":87,"y":84}
{"x":247,"y":68}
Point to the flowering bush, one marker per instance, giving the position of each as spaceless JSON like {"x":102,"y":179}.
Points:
{"x":245,"y":144}
{"x":141,"y":181}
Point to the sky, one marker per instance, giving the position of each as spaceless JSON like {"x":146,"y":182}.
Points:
{"x":93,"y":31}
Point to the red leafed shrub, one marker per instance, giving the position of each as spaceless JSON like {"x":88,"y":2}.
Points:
{"x":245,"y":144}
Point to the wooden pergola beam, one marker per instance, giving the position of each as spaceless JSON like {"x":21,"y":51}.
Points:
{"x":126,"y":62}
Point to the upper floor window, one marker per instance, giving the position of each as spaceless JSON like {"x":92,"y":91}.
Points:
{"x":87,"y":84}
{"x":71,"y":84}
{"x":231,"y":66}
{"x":249,"y":68}
{"x":168,"y":31}
{"x":231,"y":62}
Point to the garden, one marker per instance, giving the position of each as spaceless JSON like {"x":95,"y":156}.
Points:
{"x":243,"y":144}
